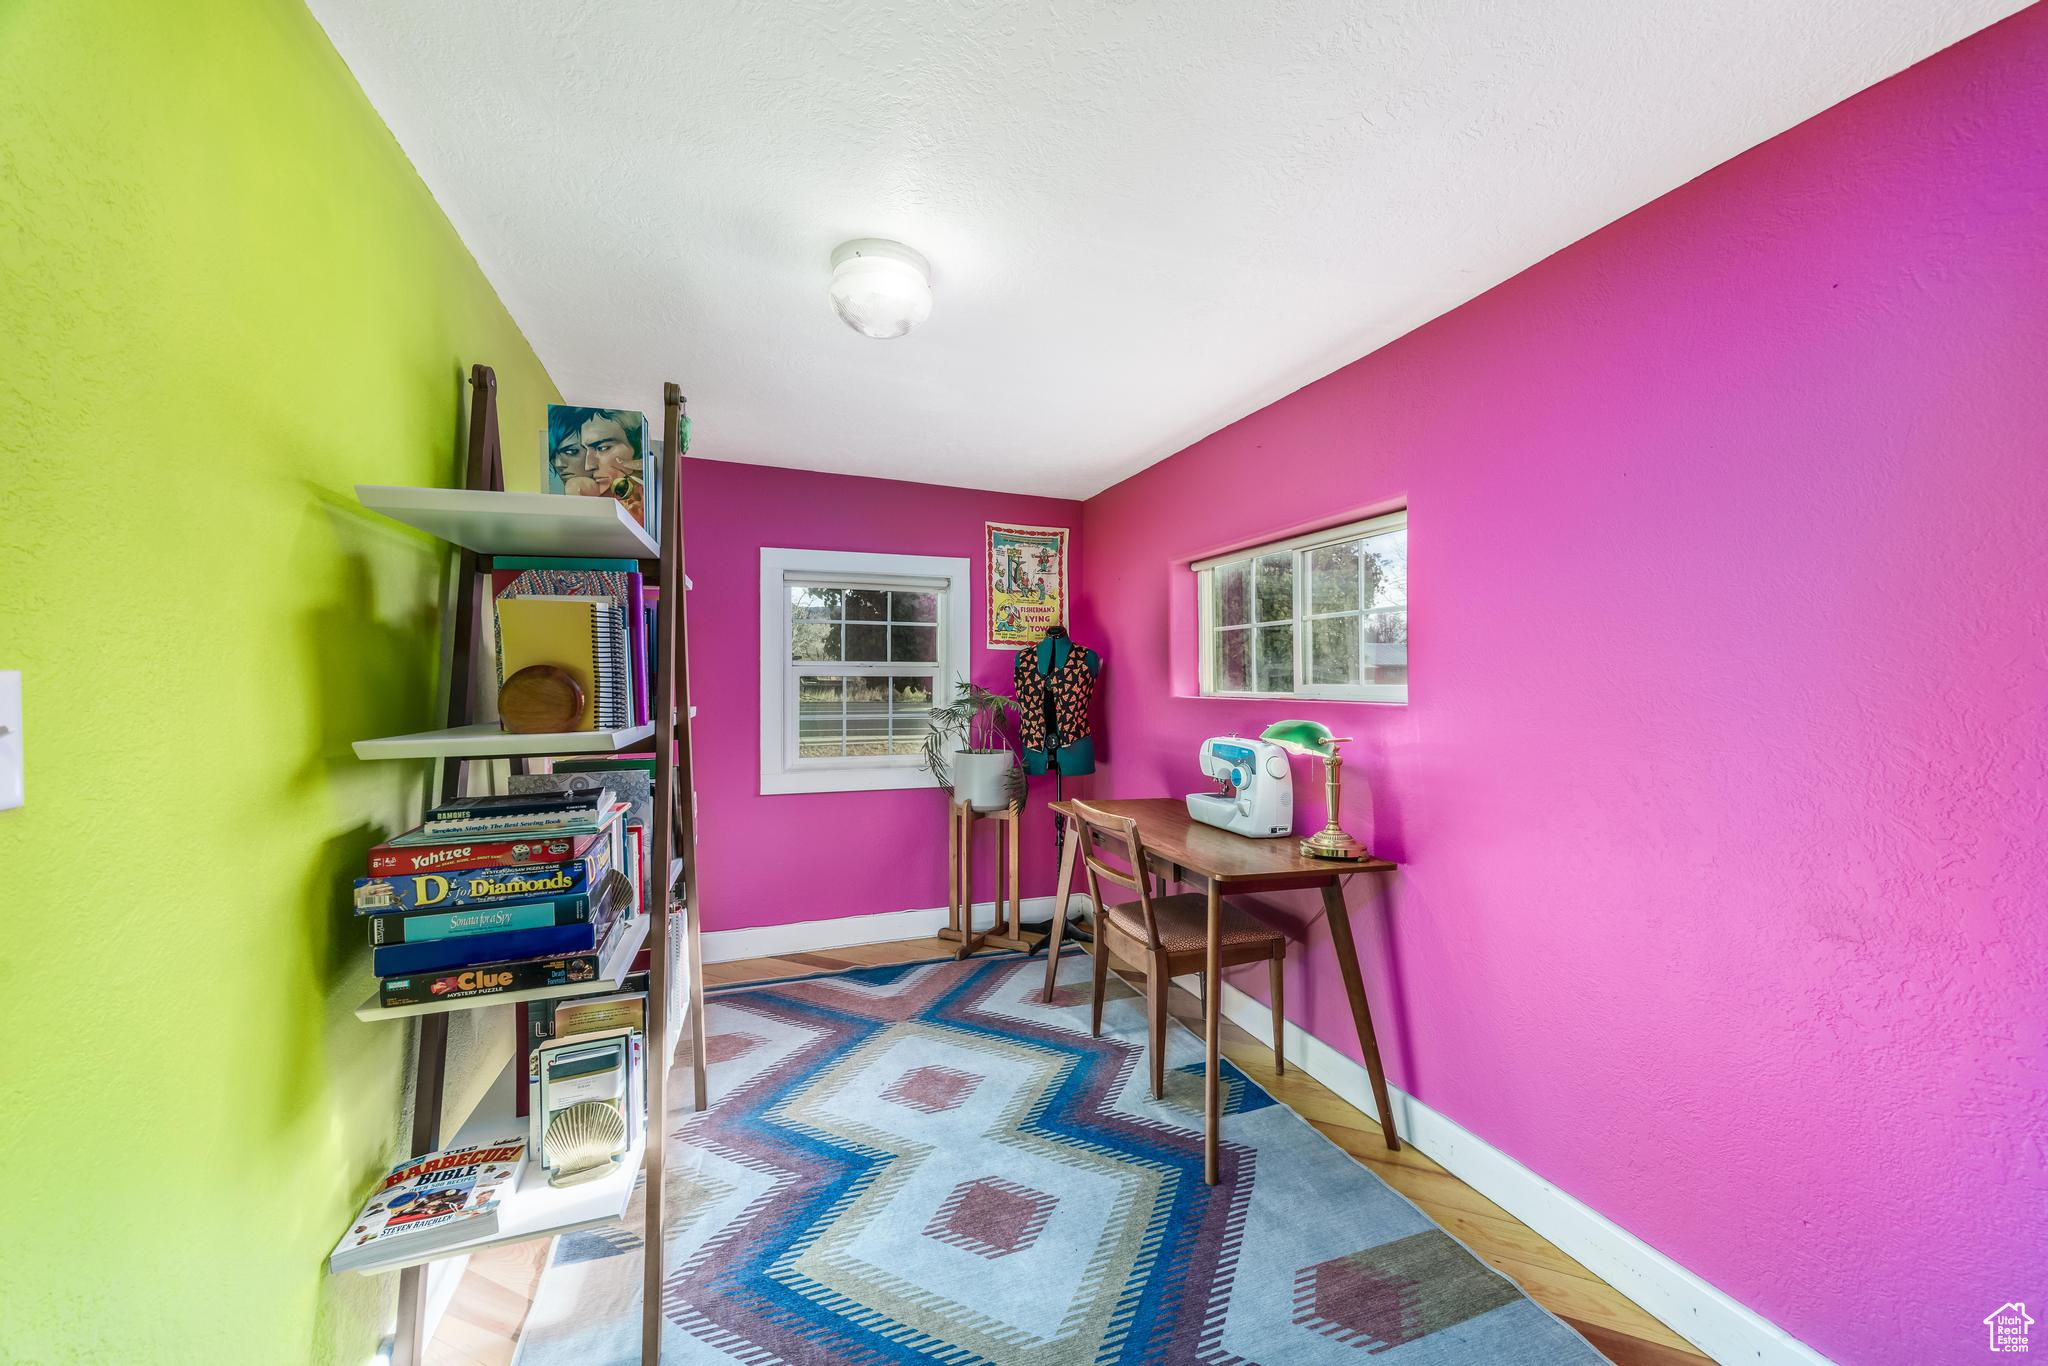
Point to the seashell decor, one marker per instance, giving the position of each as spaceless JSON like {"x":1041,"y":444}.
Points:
{"x":583,"y":1142}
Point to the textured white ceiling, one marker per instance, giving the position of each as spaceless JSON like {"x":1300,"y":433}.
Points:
{"x":1144,"y":219}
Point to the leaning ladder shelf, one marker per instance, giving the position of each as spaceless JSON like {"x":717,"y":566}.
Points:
{"x":484,"y":520}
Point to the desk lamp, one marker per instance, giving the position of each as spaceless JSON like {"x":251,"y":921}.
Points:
{"x":1314,"y":738}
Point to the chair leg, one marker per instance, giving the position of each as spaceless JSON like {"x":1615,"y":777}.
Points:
{"x":1101,"y":956}
{"x":1157,"y":984}
{"x":1276,"y":966}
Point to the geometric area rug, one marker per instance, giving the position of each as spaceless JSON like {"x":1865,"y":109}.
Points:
{"x":922,"y":1162}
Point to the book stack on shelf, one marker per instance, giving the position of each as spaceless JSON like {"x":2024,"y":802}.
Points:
{"x":592,"y":619}
{"x":497,"y":895}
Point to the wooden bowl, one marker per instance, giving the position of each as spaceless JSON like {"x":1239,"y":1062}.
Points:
{"x":540,"y":699}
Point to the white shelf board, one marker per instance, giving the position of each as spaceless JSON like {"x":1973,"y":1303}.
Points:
{"x":533,"y":1209}
{"x":495,"y":523}
{"x":612,"y":970}
{"x":486,"y":740}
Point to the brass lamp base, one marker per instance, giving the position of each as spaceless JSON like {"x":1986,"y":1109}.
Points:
{"x":1330,"y":842}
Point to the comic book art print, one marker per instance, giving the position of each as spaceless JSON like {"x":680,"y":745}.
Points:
{"x":1027,"y":583}
{"x":603,"y":453}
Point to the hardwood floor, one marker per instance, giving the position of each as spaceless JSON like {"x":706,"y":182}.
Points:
{"x":481,"y":1327}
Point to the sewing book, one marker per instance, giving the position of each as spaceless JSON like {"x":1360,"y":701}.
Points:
{"x":504,"y":818}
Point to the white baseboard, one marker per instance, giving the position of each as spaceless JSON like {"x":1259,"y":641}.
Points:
{"x":810,"y":936}
{"x":1723,"y":1328}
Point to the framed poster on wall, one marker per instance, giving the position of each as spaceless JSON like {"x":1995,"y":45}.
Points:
{"x":1027,"y":583}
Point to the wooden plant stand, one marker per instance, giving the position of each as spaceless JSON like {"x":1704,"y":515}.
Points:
{"x":961,"y":819}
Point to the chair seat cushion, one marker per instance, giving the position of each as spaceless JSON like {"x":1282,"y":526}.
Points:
{"x":1184,"y":924}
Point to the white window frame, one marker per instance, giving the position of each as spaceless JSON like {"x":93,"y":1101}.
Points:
{"x":781,"y":770}
{"x":1299,"y":547}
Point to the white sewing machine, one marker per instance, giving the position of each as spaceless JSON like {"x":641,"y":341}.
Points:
{"x":1260,"y":801}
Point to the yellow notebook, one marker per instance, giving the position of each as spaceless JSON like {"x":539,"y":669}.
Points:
{"x":567,"y":632}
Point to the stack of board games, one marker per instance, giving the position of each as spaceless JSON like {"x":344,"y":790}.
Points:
{"x":433,"y":1202}
{"x":499,"y":894}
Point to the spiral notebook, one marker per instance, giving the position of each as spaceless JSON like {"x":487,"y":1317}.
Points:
{"x":522,"y":577}
{"x":585,"y":636}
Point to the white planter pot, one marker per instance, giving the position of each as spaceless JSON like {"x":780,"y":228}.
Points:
{"x":982,"y":779}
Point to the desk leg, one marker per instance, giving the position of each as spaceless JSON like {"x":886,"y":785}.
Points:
{"x":1361,"y":1013}
{"x":1212,"y":1021}
{"x":1059,"y":907}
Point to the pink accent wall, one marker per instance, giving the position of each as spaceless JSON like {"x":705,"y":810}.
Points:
{"x":1721,"y":793}
{"x":771,"y":860}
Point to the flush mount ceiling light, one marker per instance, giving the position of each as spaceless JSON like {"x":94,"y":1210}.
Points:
{"x":880,"y":288}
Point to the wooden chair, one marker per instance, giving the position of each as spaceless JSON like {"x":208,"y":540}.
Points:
{"x":1166,"y":935}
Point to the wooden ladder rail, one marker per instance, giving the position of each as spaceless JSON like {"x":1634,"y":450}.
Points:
{"x":485,"y":469}
{"x":674,"y":836}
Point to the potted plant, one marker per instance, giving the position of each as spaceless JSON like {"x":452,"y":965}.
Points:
{"x":967,"y":747}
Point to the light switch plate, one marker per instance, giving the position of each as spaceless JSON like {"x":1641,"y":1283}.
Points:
{"x":10,"y":739}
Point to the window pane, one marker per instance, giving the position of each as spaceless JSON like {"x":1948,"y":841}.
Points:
{"x":1275,"y":580}
{"x":914,"y":644}
{"x":813,"y":640}
{"x":1233,"y":670}
{"x":910,"y":703}
{"x":867,"y":716}
{"x":867,"y":604}
{"x":1276,"y":659}
{"x":867,"y":644}
{"x":1233,"y":593}
{"x":815,"y":604}
{"x":1386,"y":570}
{"x":912,"y":696}
{"x":1386,"y":647}
{"x":1333,"y":577}
{"x":1333,"y":650}
{"x":819,"y":729}
{"x":914,"y":607}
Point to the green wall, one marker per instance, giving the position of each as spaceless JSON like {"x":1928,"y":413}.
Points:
{"x":225,"y":298}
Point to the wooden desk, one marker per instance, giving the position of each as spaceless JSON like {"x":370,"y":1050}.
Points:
{"x":1182,"y":849}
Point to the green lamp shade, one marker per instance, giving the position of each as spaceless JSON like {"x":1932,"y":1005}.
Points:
{"x":1303,"y":737}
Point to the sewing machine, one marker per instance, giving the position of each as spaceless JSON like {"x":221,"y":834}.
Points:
{"x":1260,"y":799}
